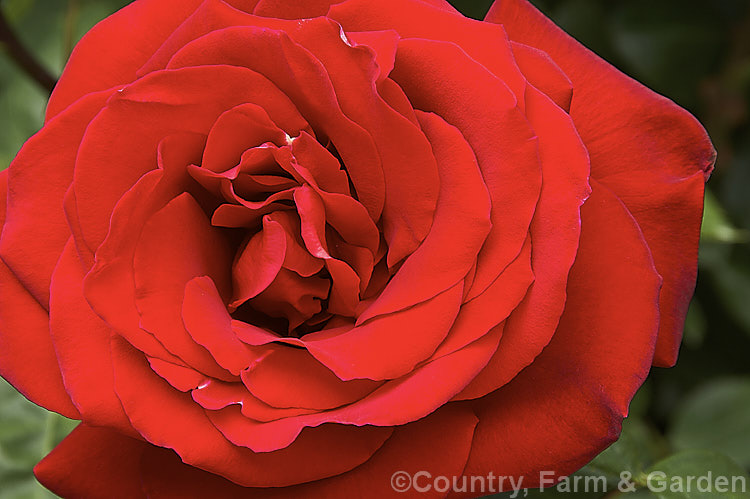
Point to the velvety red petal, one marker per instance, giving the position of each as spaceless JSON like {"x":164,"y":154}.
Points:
{"x":669,"y":218}
{"x":438,"y":444}
{"x":161,"y":104}
{"x":81,"y":341}
{"x":327,"y":173}
{"x":344,"y":292}
{"x":297,"y":257}
{"x":383,"y":43}
{"x":215,"y":395}
{"x":169,"y":418}
{"x":459,"y":229}
{"x":130,"y":42}
{"x":542,"y":72}
{"x":304,"y":79}
{"x":194,"y":43}
{"x":27,"y":358}
{"x":181,"y":377}
{"x":94,"y":462}
{"x":367,"y":350}
{"x":397,"y":402}
{"x":483,"y":42}
{"x":209,"y":324}
{"x":109,"y":285}
{"x":178,"y":244}
{"x":554,"y":240}
{"x":292,"y":297}
{"x":478,"y":316}
{"x":569,"y":404}
{"x":438,"y":77}
{"x":408,"y":163}
{"x":284,"y":376}
{"x":238,"y":129}
{"x":284,"y":9}
{"x":38,"y":178}
{"x":657,"y":156}
{"x":259,"y":262}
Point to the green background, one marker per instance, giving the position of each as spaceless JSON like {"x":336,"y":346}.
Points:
{"x":686,"y":420}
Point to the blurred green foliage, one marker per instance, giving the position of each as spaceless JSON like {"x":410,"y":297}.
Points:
{"x":686,"y":420}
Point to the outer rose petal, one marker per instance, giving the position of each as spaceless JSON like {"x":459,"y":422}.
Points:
{"x":38,"y":178}
{"x":27,"y":358}
{"x":94,"y":463}
{"x":129,"y":43}
{"x":437,"y":444}
{"x":569,"y":404}
{"x":653,"y":163}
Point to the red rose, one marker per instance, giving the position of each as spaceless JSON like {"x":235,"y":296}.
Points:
{"x":290,"y":248}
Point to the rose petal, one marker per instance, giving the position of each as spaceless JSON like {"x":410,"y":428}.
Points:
{"x":459,"y":229}
{"x":653,"y":163}
{"x":27,"y":357}
{"x":129,"y":43}
{"x":554,"y":238}
{"x":394,"y":403}
{"x":259,"y":262}
{"x":483,"y":42}
{"x":38,"y":178}
{"x":84,"y":359}
{"x":109,"y":286}
{"x":542,"y":72}
{"x":163,"y":103}
{"x":568,"y":405}
{"x":178,"y":244}
{"x":438,"y":444}
{"x":215,"y":395}
{"x":181,"y":377}
{"x":238,"y":129}
{"x":94,"y":462}
{"x":367,"y":350}
{"x":439,"y":78}
{"x":167,"y":417}
{"x":285,"y":376}
{"x":283,"y":9}
{"x":383,"y":44}
{"x":480,"y":315}
{"x":209,"y":324}
{"x":306,"y":82}
{"x":408,"y":163}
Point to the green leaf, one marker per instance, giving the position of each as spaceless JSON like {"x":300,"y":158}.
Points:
{"x":27,"y":433}
{"x":638,"y":446}
{"x":716,"y":417}
{"x":716,"y":225}
{"x":732,"y":283}
{"x":697,"y":474}
{"x":696,"y":325}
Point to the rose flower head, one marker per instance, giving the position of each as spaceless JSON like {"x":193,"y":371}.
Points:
{"x":274,"y":248}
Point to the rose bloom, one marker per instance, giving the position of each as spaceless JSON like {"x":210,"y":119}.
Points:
{"x":285,"y":249}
